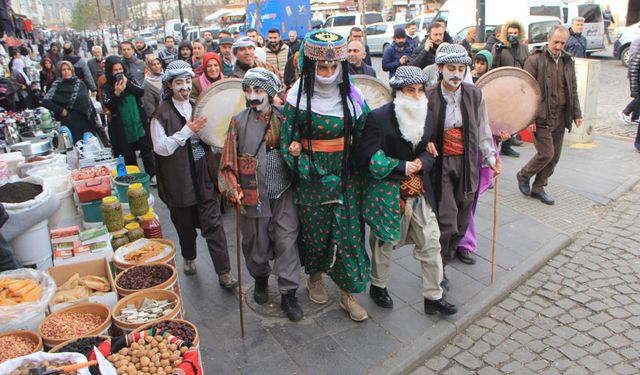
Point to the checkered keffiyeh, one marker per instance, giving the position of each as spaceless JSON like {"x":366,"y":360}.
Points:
{"x":452,"y":54}
{"x":177,"y":68}
{"x":245,"y":41}
{"x":407,"y":75}
{"x":260,"y":77}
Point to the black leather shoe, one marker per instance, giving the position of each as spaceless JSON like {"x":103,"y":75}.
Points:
{"x":516,"y":140}
{"x":445,"y":283}
{"x":261,"y":290}
{"x":290,"y":305}
{"x":440,"y":306}
{"x":523,"y":184}
{"x":381,"y":296}
{"x":508,"y":151}
{"x":466,"y":257}
{"x":543,"y":197}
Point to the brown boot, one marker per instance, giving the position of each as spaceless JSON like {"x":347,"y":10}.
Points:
{"x":317,"y":292}
{"x":350,"y":304}
{"x":227,"y":281}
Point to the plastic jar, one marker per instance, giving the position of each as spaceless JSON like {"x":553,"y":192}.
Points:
{"x":151,"y":226}
{"x":134,"y":231}
{"x":112,"y":213}
{"x":138,"y":203}
{"x":119,"y":239}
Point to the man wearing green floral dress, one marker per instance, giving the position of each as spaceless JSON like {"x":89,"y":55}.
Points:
{"x":323,"y":118}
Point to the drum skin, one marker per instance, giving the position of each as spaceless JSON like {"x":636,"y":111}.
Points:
{"x":219,"y":103}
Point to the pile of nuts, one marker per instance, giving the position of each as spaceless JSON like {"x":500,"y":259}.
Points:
{"x":144,"y":277}
{"x":66,"y":325}
{"x":180,"y":330}
{"x":48,"y":365}
{"x":151,"y":355}
{"x":150,"y":309}
{"x":14,"y":346}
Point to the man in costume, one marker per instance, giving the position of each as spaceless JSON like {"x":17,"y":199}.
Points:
{"x":555,"y":72}
{"x":399,"y":201}
{"x":462,"y":128}
{"x":269,"y":223}
{"x":187,"y":175}
{"x":324,"y":116}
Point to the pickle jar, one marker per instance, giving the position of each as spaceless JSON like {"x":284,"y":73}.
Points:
{"x":112,"y":213}
{"x":138,"y":203}
{"x":128,"y":218}
{"x":134,"y":231}
{"x":119,"y":239}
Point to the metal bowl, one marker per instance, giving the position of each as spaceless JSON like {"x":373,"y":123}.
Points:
{"x":32,"y":148}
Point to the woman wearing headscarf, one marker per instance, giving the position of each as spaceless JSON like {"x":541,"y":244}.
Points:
{"x":129,"y":129}
{"x":69,"y":100}
{"x":47,"y":74}
{"x":25,"y":98}
{"x":152,"y":84}
{"x":211,"y":72}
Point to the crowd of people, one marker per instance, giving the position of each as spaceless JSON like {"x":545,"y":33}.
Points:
{"x":412,"y":170}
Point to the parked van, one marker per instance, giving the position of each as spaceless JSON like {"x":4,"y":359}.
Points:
{"x":593,"y":23}
{"x":342,"y":24}
{"x":423,"y":22}
{"x":174,"y":28}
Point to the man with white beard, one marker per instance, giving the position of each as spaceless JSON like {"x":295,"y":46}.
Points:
{"x":462,"y":128}
{"x":399,"y":200}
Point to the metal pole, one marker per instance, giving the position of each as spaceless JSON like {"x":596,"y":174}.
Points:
{"x":115,"y":18}
{"x":182,"y":30}
{"x":363,"y":10}
{"x":481,"y":9}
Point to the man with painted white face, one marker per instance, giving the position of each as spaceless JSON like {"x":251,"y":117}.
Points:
{"x":187,"y":171}
{"x":269,"y":221}
{"x":399,"y":202}
{"x":462,"y":128}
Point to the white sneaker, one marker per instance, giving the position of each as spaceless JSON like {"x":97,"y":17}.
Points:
{"x":626,"y":119}
{"x":153,"y":181}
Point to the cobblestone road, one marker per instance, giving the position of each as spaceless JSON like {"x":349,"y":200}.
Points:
{"x":579,"y":314}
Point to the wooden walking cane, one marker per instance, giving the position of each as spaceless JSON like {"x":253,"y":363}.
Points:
{"x":238,"y":261}
{"x":495,"y":227}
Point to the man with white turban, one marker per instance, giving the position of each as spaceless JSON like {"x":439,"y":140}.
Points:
{"x":187,"y":170}
{"x":253,"y":173}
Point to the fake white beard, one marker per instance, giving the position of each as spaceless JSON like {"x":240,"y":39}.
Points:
{"x":411,"y":115}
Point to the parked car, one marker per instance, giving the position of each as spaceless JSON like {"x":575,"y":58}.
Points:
{"x":239,"y":27}
{"x":342,"y":24}
{"x":622,"y":45}
{"x":462,"y":35}
{"x":423,"y":22}
{"x":380,"y":36}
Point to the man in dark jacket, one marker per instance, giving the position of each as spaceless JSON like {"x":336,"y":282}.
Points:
{"x":209,"y":43}
{"x":142,"y":49}
{"x":356,"y":33}
{"x":493,"y":39}
{"x":95,"y":63}
{"x":293,"y":42}
{"x":54,"y":54}
{"x":510,"y":51}
{"x":577,"y":43}
{"x":170,"y":52}
{"x":397,"y":54}
{"x":133,"y":65}
{"x":554,"y":70}
{"x":356,"y":57}
{"x":630,"y":115}
{"x":425,"y":54}
{"x":393,"y":148}
{"x":80,"y":66}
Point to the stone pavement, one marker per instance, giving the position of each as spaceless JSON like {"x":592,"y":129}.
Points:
{"x":326,"y":341}
{"x":579,"y":314}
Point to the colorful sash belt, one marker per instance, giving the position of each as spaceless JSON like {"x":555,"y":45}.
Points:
{"x":453,"y":142}
{"x":324,"y":145}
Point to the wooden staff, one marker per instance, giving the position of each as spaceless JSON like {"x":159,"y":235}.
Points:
{"x":495,"y":229}
{"x":238,"y":261}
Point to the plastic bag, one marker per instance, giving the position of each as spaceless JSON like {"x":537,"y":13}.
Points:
{"x":23,"y":315}
{"x":39,"y":357}
{"x":51,"y":160}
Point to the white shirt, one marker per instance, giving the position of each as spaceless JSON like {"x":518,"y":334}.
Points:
{"x":261,"y":54}
{"x":166,"y":146}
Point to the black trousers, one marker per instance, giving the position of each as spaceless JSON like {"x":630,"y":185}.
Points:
{"x":633,"y":108}
{"x":207,"y":217}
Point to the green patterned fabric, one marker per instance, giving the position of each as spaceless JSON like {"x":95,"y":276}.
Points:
{"x":381,"y":207}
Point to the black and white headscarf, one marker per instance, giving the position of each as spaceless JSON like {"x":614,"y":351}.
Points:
{"x":449,"y":53}
{"x":261,"y":77}
{"x":175,"y":69}
{"x":407,"y":75}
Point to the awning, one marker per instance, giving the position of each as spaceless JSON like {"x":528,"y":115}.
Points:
{"x":217,"y":14}
{"x":237,"y":13}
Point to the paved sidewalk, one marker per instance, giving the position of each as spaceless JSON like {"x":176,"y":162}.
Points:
{"x":392,"y":341}
{"x":579,"y":314}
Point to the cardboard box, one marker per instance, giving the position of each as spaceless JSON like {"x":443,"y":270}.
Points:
{"x":96,"y":248}
{"x":97,"y":267}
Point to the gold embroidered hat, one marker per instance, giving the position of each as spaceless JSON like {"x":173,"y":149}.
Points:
{"x":323,"y":45}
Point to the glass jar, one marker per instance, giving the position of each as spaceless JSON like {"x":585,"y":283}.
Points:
{"x":138,"y":203}
{"x":128,"y":218}
{"x":151,"y":226}
{"x":112,"y":213}
{"x":119,"y":239}
{"x":134,"y":232}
